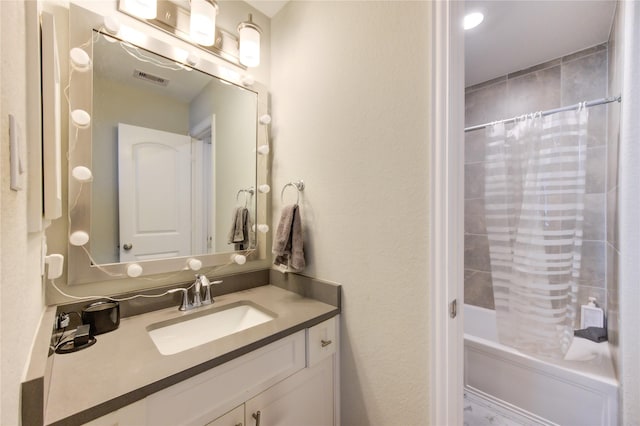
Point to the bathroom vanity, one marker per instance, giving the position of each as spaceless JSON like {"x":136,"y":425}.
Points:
{"x":283,"y":371}
{"x":280,"y":369}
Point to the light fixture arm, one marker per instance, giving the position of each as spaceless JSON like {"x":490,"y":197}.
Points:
{"x":249,"y":24}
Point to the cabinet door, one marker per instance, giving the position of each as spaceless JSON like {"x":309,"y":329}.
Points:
{"x":306,"y":398}
{"x":234,"y":417}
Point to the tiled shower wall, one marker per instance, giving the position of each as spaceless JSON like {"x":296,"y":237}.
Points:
{"x":579,"y":77}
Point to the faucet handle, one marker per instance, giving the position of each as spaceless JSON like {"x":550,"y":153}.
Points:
{"x":207,"y":289}
{"x":207,"y":292}
{"x":184,"y":305}
{"x":204,"y":280}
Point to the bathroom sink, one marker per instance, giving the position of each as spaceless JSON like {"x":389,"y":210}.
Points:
{"x":189,"y":331}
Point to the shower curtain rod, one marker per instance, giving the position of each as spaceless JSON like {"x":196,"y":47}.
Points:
{"x":551,"y":111}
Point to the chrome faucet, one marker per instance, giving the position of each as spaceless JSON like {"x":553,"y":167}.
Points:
{"x":204,"y":281}
{"x":200,"y":282}
{"x":185,"y":305}
{"x":197,"y":292}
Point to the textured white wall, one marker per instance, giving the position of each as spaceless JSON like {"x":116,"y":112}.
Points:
{"x":21,"y":298}
{"x":350,"y":85}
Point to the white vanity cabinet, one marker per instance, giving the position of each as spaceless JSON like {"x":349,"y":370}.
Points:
{"x":234,"y":417}
{"x":306,"y":398}
{"x":293,"y":381}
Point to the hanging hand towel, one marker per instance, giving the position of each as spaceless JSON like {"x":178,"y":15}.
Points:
{"x":239,"y":234}
{"x":288,"y":245}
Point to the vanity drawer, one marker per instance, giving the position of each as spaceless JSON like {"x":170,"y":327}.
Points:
{"x":321,"y":341}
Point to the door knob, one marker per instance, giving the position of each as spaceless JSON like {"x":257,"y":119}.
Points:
{"x":127,"y":246}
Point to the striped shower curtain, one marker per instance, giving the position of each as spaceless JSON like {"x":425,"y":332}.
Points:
{"x":534,"y":190}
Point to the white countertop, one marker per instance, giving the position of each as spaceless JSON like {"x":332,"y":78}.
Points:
{"x":126,"y":360}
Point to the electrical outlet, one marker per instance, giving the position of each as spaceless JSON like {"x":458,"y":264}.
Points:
{"x":62,"y":320}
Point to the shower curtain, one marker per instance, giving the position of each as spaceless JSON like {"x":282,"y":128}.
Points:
{"x":534,"y":190}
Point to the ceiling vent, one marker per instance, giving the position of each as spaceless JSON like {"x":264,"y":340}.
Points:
{"x":143,"y":75}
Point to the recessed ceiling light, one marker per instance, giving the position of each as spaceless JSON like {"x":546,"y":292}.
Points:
{"x":472,"y":20}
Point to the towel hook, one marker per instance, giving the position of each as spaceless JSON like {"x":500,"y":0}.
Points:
{"x":299,"y":185}
{"x":249,"y":191}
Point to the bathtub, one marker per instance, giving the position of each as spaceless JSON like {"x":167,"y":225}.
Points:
{"x":580,"y":390}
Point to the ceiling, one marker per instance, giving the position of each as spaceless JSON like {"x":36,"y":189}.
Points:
{"x":517,"y":34}
{"x":268,"y":7}
{"x":117,"y":62}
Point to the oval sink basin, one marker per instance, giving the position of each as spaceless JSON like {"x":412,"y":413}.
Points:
{"x":180,"y":334}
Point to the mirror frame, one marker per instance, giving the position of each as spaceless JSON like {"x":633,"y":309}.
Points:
{"x":80,"y":269}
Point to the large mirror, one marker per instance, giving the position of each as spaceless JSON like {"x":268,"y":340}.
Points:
{"x":172,"y":151}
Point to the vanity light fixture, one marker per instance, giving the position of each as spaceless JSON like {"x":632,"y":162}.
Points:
{"x":194,"y":264}
{"x":240,"y":259}
{"x":134,"y":270}
{"x":248,"y":80}
{"x":192,"y":59}
{"x":112,"y":24}
{"x":264,"y":228}
{"x":249,"y":42}
{"x":193,"y":21}
{"x":203,"y":21}
{"x":82,"y":174}
{"x":81,"y":118}
{"x":145,"y":9}
{"x":472,"y":20}
{"x":79,"y":238}
{"x":265,"y":119}
{"x":80,"y":61}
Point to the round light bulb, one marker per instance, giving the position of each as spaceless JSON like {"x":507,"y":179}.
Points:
{"x":111,"y":24}
{"x":240,"y":259}
{"x":472,"y":20}
{"x":80,"y":118}
{"x":263,"y":149}
{"x":264,"y":188}
{"x":248,"y":80}
{"x":80,"y":60}
{"x":134,"y":270}
{"x":82,"y":174}
{"x":264,"y":228}
{"x":192,"y":59}
{"x":265,"y":119}
{"x":194,"y":264}
{"x":79,"y":238}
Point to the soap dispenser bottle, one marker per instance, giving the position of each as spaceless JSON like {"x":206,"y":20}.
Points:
{"x":591,"y":315}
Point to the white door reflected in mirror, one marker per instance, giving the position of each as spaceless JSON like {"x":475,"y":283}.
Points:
{"x":154,"y":181}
